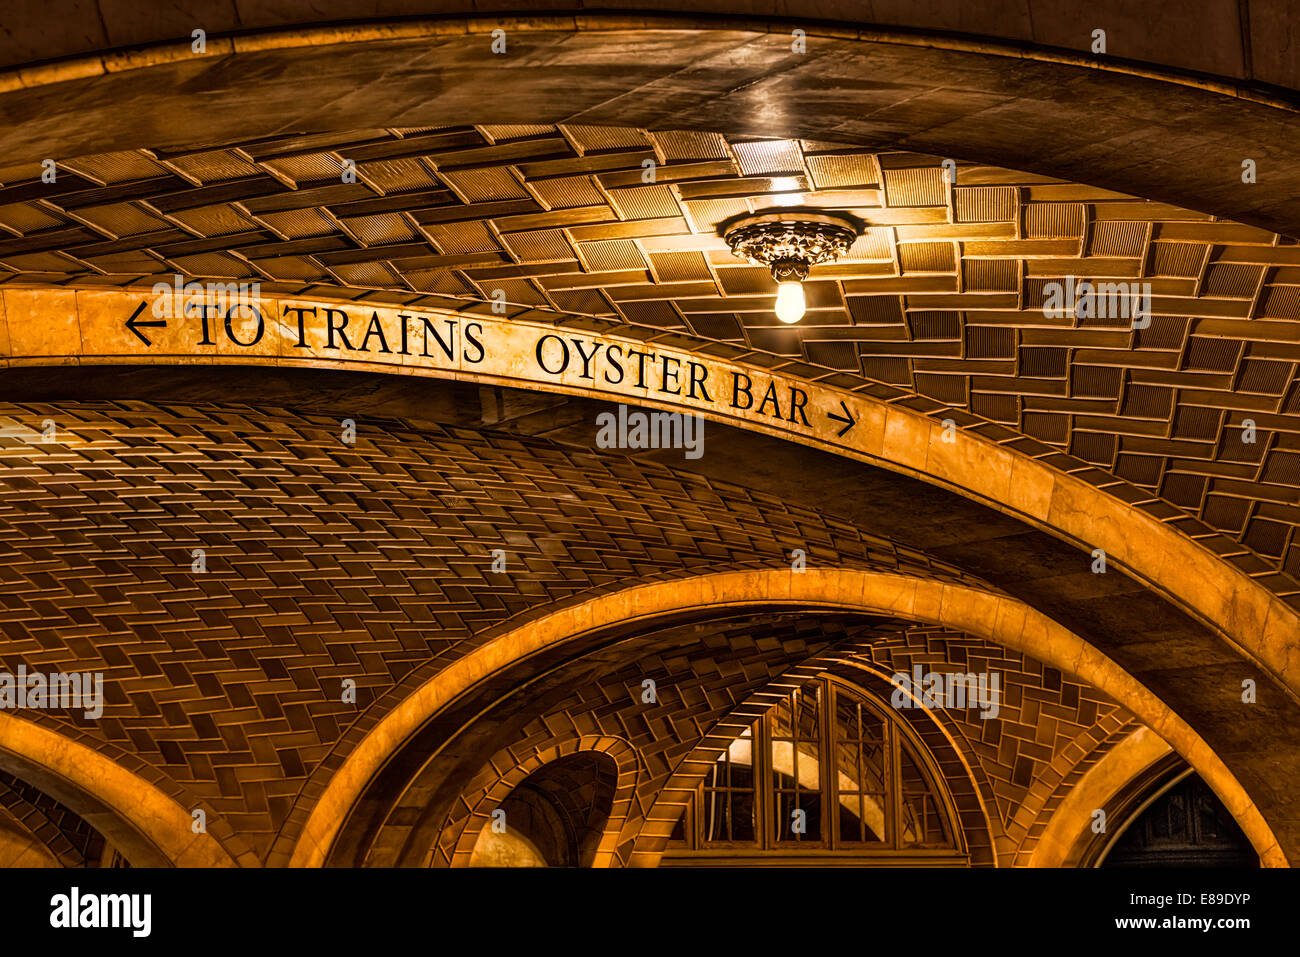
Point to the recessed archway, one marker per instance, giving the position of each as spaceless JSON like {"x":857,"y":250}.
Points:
{"x":1069,"y":826}
{"x":998,"y":618}
{"x":947,"y":88}
{"x":604,"y":771}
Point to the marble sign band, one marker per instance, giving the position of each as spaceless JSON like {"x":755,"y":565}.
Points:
{"x":61,"y":327}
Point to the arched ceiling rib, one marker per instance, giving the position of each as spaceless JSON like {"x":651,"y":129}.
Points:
{"x":1240,"y":44}
{"x":938,"y":306}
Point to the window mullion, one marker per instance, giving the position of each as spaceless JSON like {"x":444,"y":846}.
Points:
{"x":895,"y":766}
{"x":763,"y":782}
{"x":828,"y":766}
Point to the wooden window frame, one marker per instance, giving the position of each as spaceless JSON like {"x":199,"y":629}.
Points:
{"x":827,"y":688}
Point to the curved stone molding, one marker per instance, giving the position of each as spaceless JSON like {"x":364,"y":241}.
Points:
{"x":1229,"y":49}
{"x":42,"y":327}
{"x":1069,"y":824}
{"x":997,"y":618}
{"x":146,"y":809}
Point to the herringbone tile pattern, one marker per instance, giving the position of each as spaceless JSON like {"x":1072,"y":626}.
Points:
{"x":324,"y":562}
{"x":1047,"y":725}
{"x":939,"y":305}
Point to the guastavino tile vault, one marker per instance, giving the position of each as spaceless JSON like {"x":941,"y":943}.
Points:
{"x":690,"y":437}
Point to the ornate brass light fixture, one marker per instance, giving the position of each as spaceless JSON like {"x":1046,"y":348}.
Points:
{"x":790,"y":241}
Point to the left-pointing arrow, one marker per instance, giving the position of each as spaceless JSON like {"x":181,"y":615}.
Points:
{"x":134,"y":323}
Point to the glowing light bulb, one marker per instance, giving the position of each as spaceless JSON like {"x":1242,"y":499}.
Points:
{"x":789,"y":301}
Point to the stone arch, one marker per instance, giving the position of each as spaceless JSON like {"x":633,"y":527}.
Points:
{"x":705,"y":664}
{"x":998,"y":618}
{"x":1066,"y":830}
{"x":1237,"y":607}
{"x":1263,"y":626}
{"x":147,"y":825}
{"x":478,"y":814}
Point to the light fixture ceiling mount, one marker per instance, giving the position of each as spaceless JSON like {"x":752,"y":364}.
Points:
{"x":790,"y":241}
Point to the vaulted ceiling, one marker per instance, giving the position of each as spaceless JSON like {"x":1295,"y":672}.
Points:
{"x":591,"y":161}
{"x":938,"y":306}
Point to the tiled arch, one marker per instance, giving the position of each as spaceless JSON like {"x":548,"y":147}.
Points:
{"x":1085,"y":508}
{"x":998,"y":618}
{"x":479,"y":806}
{"x":1243,"y":119}
{"x":1064,"y":822}
{"x":143,"y":809}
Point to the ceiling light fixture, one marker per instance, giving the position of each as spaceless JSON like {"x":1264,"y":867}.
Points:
{"x":790,"y":241}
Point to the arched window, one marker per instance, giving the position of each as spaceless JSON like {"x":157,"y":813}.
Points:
{"x":829,"y":769}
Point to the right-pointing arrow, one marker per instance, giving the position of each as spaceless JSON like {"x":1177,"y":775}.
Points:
{"x":846,"y":418}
